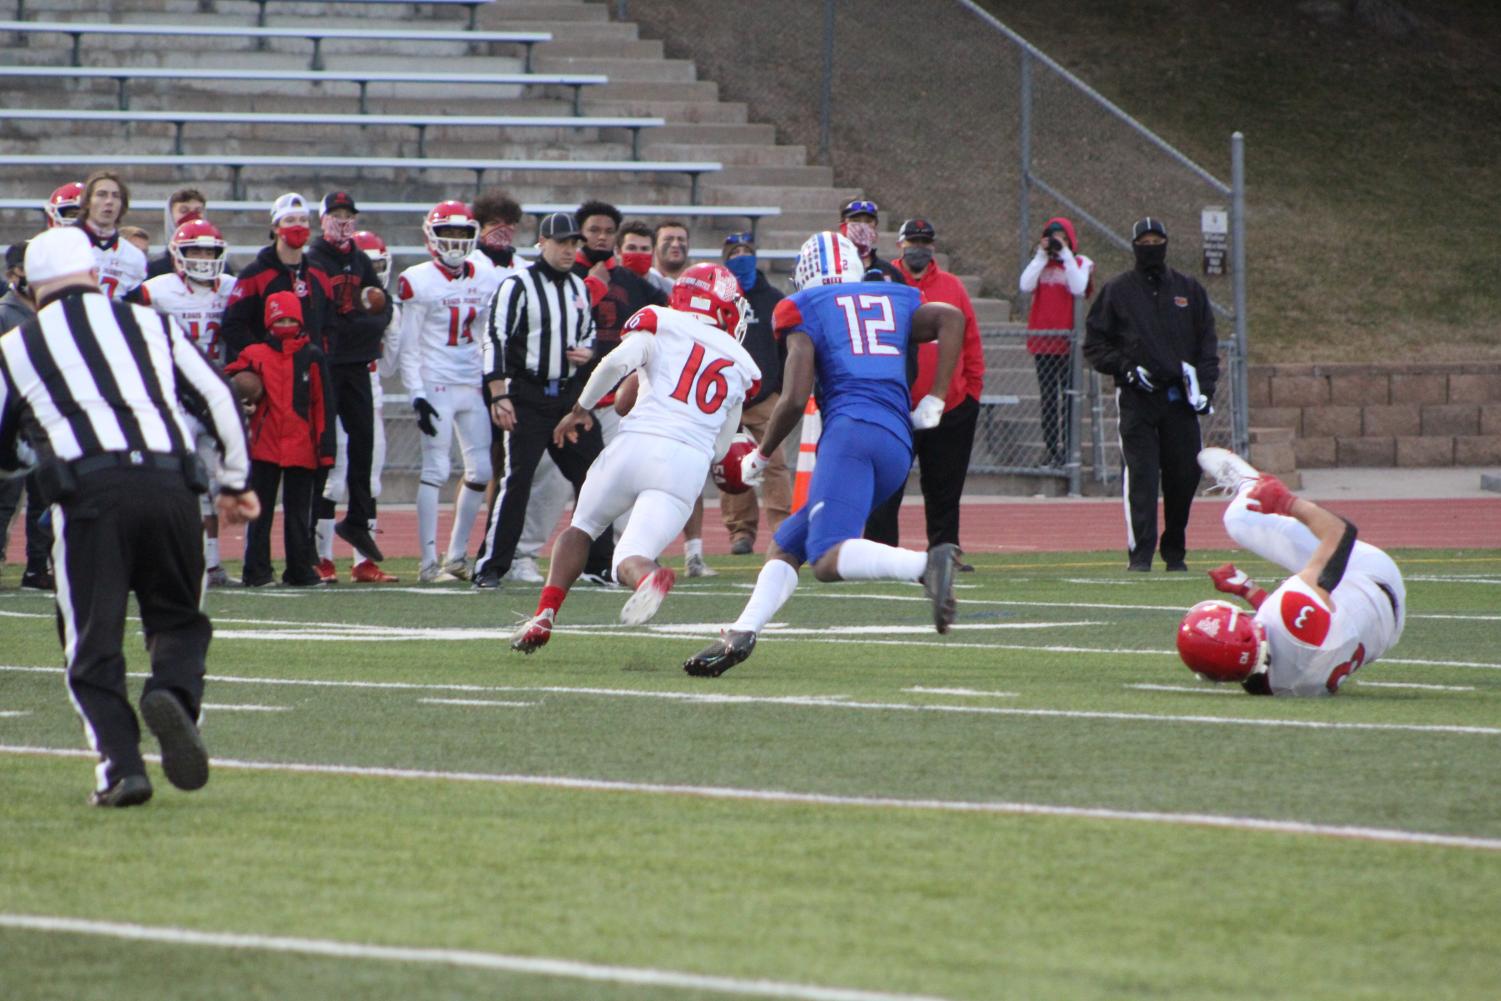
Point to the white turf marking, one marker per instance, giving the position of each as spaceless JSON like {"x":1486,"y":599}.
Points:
{"x":246,"y":708}
{"x":11,"y":713}
{"x":835,"y":702}
{"x":474,"y":702}
{"x":1195,"y":689}
{"x":961,"y":691}
{"x":1413,"y":684}
{"x":821,"y":799}
{"x":537,"y":966}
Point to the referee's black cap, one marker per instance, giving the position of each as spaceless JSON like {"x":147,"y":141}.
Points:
{"x":559,"y":226}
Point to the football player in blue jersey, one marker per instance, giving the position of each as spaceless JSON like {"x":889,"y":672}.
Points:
{"x":851,"y":336}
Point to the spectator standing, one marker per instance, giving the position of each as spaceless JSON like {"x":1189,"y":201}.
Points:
{"x":117,"y":463}
{"x":1152,"y":329}
{"x":280,"y":266}
{"x":860,"y":220}
{"x":105,"y":201}
{"x":16,"y":307}
{"x":1056,"y":277}
{"x":741,"y":512}
{"x":536,"y":356}
{"x":184,"y":205}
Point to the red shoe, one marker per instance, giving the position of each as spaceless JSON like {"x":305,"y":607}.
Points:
{"x":369,"y":572}
{"x":533,"y":633}
{"x":327,"y":572}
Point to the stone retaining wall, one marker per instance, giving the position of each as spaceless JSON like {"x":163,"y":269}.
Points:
{"x":1383,"y":415}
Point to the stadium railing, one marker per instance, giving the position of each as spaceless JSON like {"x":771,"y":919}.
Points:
{"x":421,"y":123}
{"x":78,"y":29}
{"x":122,"y":75}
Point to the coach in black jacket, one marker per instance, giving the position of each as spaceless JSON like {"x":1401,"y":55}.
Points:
{"x":1152,"y":329}
{"x":281,"y":266}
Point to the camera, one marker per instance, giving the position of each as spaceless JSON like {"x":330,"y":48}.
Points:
{"x":1055,"y":245}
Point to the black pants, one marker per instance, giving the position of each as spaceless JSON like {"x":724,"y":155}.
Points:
{"x":297,"y":524}
{"x":1160,"y":445}
{"x":1054,"y":380}
{"x":536,"y":416}
{"x":942,"y":455}
{"x":356,"y":407}
{"x":130,"y":530}
{"x":38,"y":530}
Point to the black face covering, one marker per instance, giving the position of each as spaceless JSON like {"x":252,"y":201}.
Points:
{"x":595,"y":256}
{"x":1151,"y":257}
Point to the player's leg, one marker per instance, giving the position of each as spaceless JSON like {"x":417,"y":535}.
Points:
{"x":437,"y":463}
{"x":660,"y":510}
{"x":574,"y":460}
{"x":472,"y":425}
{"x":693,"y":541}
{"x":265,"y":480}
{"x":1178,"y":445}
{"x":357,"y":414}
{"x":332,"y":496}
{"x":1140,"y":476}
{"x":367,"y":571}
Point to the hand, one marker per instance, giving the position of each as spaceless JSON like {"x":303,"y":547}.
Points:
{"x":580,"y":355}
{"x":601,"y":272}
{"x":573,"y":423}
{"x":426,"y":415}
{"x":1196,"y":399}
{"x":503,"y":415}
{"x":1140,"y":378}
{"x":236,"y":508}
{"x":928,"y":413}
{"x":1230,"y":580}
{"x":753,"y":467}
{"x":1270,"y":496}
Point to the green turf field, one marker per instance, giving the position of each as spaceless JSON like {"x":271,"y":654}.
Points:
{"x":1043,"y":804}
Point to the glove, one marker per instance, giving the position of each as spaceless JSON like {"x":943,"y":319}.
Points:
{"x":752,"y":467}
{"x":1196,"y":399}
{"x":1270,"y":496}
{"x":1229,"y":580}
{"x":1140,"y":378}
{"x":928,"y":413}
{"x":426,"y":414}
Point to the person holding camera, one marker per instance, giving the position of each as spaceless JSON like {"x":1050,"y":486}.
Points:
{"x":1056,"y":276}
{"x":1152,"y":329}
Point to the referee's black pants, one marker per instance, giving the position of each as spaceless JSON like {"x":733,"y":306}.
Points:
{"x":536,"y":416}
{"x":942,"y":455}
{"x":297,"y":485}
{"x":38,"y":532}
{"x":1160,"y":444}
{"x":355,"y":403}
{"x":129,"y":530}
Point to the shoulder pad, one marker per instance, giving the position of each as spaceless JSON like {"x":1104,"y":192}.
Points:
{"x":786,"y":317}
{"x":645,"y":319}
{"x":1304,"y":617}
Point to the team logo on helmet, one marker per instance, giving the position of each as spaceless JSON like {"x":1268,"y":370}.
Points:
{"x":710,"y":292}
{"x":827,"y":258}
{"x":1221,"y":642}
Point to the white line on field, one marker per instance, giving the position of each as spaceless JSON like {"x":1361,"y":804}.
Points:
{"x":823,"y":799}
{"x":243,"y":708}
{"x":537,"y":966}
{"x":9,"y":713}
{"x":1195,"y":689}
{"x":1413,"y":684}
{"x":474,"y":702}
{"x":961,"y":691}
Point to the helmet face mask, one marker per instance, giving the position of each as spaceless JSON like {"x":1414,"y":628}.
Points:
{"x":199,"y":233}
{"x":827,"y":258}
{"x":1222,"y":642}
{"x":450,"y":250}
{"x":375,"y":249}
{"x":711,"y":293}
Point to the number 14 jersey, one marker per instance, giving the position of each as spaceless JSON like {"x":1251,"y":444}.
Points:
{"x":443,"y":318}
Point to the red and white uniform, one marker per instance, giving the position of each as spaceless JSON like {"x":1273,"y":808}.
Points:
{"x":121,"y":264}
{"x":694,"y":379}
{"x":196,"y":307}
{"x":1314,"y":646}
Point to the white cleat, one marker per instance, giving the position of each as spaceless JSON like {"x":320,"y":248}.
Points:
{"x":458,"y":569}
{"x":643,"y":604}
{"x":434,"y":574}
{"x":696,"y":567}
{"x":524,"y":571}
{"x":1227,"y":469}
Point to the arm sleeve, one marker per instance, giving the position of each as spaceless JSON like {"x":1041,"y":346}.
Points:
{"x":196,"y":377}
{"x":631,"y":355}
{"x":505,"y":309}
{"x":1032,"y":271}
{"x":409,"y":354}
{"x":11,"y":460}
{"x":1102,"y":345}
{"x":1075,"y":275}
{"x":241,"y":324}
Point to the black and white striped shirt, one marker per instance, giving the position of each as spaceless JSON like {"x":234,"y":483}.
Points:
{"x":87,"y":376}
{"x":537,"y":315}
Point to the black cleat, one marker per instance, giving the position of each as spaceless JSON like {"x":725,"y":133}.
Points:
{"x":724,"y":653}
{"x":184,"y":756}
{"x":131,"y":790}
{"x":487,"y":580}
{"x":38,"y":579}
{"x":1176,"y":566}
{"x":360,"y":538}
{"x":938,"y":583}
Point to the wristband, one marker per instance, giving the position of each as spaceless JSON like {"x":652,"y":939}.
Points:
{"x":497,"y":399}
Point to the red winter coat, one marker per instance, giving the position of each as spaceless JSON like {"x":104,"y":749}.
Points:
{"x":937,"y":285}
{"x":290,"y":426}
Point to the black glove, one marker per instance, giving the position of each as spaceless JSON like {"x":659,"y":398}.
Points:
{"x":426,"y":414}
{"x":1140,"y":378}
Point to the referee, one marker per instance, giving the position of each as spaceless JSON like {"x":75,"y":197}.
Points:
{"x":92,"y":392}
{"x":537,"y":355}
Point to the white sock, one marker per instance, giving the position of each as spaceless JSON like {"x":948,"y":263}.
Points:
{"x":427,"y":522}
{"x":862,"y":559}
{"x":466,"y":509}
{"x":692,"y":548}
{"x":210,"y":551}
{"x":774,"y":585}
{"x":324,"y":534}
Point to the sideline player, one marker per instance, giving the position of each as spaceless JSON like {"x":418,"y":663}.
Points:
{"x":194,"y":294}
{"x":697,"y":376}
{"x":445,"y":304}
{"x":1344,"y":606}
{"x":852,"y":337}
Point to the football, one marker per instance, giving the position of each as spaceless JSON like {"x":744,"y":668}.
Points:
{"x":373,"y":299}
{"x":247,"y":386}
{"x":726,"y":471}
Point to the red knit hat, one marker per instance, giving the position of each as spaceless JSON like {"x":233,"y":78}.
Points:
{"x":281,"y":306}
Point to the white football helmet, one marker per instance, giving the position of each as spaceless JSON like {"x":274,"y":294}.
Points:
{"x":375,"y":249}
{"x":450,"y":251}
{"x":827,"y":258}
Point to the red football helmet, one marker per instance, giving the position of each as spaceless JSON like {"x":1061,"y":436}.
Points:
{"x":710,"y":291}
{"x":450,"y":251}
{"x":1222,"y":642}
{"x":375,"y":249}
{"x":198,"y":233}
{"x":726,"y":471}
{"x":64,"y":204}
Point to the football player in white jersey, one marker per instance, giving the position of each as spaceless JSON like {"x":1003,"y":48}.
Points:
{"x":695,"y":375}
{"x":1343,"y":607}
{"x":445,"y":304}
{"x":194,"y":295}
{"x":122,"y":267}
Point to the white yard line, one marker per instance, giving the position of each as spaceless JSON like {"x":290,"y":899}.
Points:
{"x":474,"y":702}
{"x":1195,"y":689}
{"x":820,"y":799}
{"x":961,"y":691}
{"x":11,"y":713}
{"x":216,"y":707}
{"x":533,"y":965}
{"x":1412,"y":684}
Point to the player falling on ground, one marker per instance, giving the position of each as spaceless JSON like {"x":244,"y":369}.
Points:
{"x":694,"y":376}
{"x":851,"y":336}
{"x":1343,"y":607}
{"x":445,"y":303}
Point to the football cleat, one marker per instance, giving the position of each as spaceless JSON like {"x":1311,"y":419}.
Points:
{"x":524,"y":571}
{"x":533,"y":634}
{"x":486,"y":580}
{"x":129,"y":790}
{"x":643,"y":604}
{"x":433,"y":573}
{"x":938,"y":583}
{"x":458,"y":569}
{"x":1227,"y":469}
{"x":219,"y":577}
{"x":184,"y":758}
{"x":730,"y":649}
{"x":695,"y":566}
{"x":327,"y":572}
{"x":369,"y":572}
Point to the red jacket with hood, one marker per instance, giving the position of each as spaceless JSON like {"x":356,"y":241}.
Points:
{"x":290,"y":426}
{"x":1052,"y":303}
{"x":937,"y":285}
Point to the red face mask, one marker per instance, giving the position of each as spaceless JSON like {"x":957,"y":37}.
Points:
{"x":638,"y":262}
{"x":294,"y":236}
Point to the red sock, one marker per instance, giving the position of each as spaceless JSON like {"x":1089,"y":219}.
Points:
{"x":551,"y":600}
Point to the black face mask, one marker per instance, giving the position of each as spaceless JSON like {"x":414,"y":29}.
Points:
{"x":1152,"y":257}
{"x":595,"y":256}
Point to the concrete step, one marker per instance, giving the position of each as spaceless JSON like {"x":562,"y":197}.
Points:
{"x":685,"y":110}
{"x":498,"y":16}
{"x":589,"y":49}
{"x":797,"y":198}
{"x":740,"y":154}
{"x":1271,"y":435}
{"x":988,"y":311}
{"x":652,"y":90}
{"x":655,"y":70}
{"x":801,"y":176}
